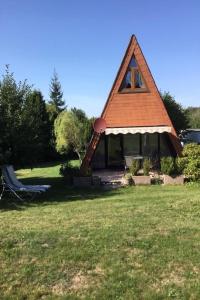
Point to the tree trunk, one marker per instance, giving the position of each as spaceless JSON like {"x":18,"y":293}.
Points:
{"x":79,"y":156}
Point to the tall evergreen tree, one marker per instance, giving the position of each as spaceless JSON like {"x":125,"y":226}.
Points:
{"x":54,"y":107}
{"x":36,"y":127}
{"x":56,"y":94}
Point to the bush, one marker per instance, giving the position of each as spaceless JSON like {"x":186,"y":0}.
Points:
{"x":129,"y":179}
{"x":179,"y":165}
{"x":134,"y":168}
{"x":68,"y":171}
{"x":190,"y":161}
{"x":146,"y":166}
{"x":168,"y":165}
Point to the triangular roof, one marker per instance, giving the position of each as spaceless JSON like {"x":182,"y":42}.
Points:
{"x":139,"y":108}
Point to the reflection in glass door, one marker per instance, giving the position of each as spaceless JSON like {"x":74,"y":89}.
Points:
{"x":150,"y":145}
{"x":131,"y":144}
{"x":114,"y":151}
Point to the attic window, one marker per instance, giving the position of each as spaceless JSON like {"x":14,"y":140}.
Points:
{"x":133,"y":80}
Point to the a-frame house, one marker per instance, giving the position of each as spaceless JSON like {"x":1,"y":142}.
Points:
{"x":137,"y":123}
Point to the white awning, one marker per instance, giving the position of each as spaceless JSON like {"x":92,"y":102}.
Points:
{"x":133,"y":130}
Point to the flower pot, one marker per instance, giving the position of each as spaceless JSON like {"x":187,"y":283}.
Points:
{"x":173,"y":180}
{"x":85,"y":181}
{"x":141,"y":180}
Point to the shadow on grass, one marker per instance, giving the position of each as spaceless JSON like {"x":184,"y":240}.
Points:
{"x":42,"y":165}
{"x":59,"y":192}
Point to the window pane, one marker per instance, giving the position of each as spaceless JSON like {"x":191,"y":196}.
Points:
{"x":164,"y":145}
{"x":133,"y":62}
{"x":150,"y":145}
{"x":114,"y":151}
{"x":138,"y":80}
{"x":131,"y":144}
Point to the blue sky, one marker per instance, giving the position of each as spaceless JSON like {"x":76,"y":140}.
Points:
{"x":86,"y":40}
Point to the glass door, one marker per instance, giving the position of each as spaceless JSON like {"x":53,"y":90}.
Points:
{"x":115,"y":158}
{"x":150,"y":145}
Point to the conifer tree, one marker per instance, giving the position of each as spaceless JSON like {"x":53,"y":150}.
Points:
{"x":56,"y":94}
{"x":37,"y":128}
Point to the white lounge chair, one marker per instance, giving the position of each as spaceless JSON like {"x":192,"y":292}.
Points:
{"x":10,"y":183}
{"x":16,"y":182}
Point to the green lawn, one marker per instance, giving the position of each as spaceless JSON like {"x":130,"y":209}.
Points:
{"x":131,"y":243}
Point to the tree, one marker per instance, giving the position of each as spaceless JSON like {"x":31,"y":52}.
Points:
{"x":56,"y":94}
{"x":54,"y":107}
{"x":70,"y":132}
{"x":193,"y":114}
{"x":12,"y":98}
{"x":175,"y":112}
{"x":87,"y":124}
{"x":36,"y":128}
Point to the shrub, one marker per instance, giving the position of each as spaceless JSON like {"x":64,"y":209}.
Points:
{"x":190,"y":161}
{"x":146,"y":166}
{"x":134,"y":168}
{"x":68,"y":171}
{"x":179,"y":164}
{"x":168,"y":165}
{"x":129,"y":179}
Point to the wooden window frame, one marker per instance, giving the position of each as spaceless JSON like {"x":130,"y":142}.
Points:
{"x":134,"y":89}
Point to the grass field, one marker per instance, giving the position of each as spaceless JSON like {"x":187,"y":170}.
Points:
{"x":131,"y":243}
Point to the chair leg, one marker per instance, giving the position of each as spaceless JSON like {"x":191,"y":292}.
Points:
{"x":3,"y":189}
{"x":21,"y":199}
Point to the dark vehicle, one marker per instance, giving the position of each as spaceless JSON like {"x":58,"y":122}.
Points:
{"x":190,"y":136}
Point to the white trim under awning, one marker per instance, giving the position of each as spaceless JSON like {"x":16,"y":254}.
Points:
{"x":133,"y":130}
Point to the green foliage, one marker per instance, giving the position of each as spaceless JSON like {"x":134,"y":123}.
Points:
{"x":193,"y":114}
{"x":54,"y":107}
{"x":175,"y":112}
{"x":87,"y":124}
{"x":135,"y":166}
{"x":179,"y":164}
{"x":56,"y":94}
{"x":68,"y":171}
{"x":24,"y":124}
{"x":52,"y":112}
{"x":190,"y":161}
{"x":71,"y":130}
{"x":36,"y":127}
{"x":146,"y":166}
{"x":129,"y":179}
{"x":12,"y":98}
{"x":168,"y":165}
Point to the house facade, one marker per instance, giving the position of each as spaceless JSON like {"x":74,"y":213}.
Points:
{"x":137,"y":123}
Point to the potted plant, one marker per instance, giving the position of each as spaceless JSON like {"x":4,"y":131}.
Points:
{"x":171,"y":171}
{"x":128,"y":180}
{"x":143,"y":179}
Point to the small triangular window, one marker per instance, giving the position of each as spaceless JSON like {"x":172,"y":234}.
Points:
{"x":133,"y":80}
